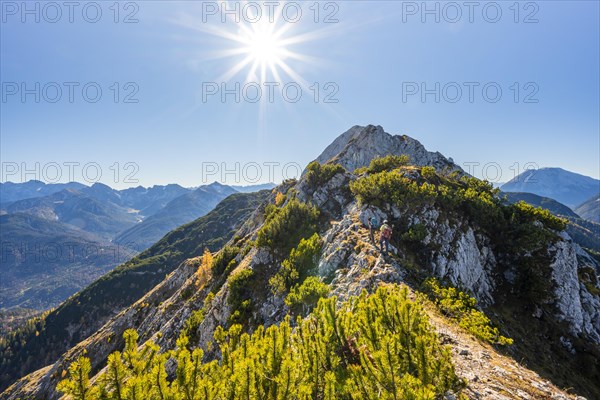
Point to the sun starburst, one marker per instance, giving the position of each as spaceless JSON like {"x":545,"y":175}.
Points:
{"x":264,"y":50}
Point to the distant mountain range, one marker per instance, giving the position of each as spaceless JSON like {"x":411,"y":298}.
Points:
{"x":177,"y":212}
{"x":45,"y":261}
{"x":566,"y":187}
{"x":75,"y":219}
{"x":590,"y":209}
{"x":146,"y":201}
{"x":253,"y":188}
{"x":79,"y":210}
{"x":10,"y":191}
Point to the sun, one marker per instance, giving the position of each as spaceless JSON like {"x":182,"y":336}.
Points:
{"x":259,"y":49}
{"x":265,"y":49}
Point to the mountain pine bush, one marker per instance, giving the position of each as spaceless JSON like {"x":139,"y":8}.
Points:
{"x":317,"y":175}
{"x":301,"y":263}
{"x":240,"y":296}
{"x":463,"y":308}
{"x":224,"y":260}
{"x":387,"y":163}
{"x":378,"y":346}
{"x":304,"y":297}
{"x":285,"y":226}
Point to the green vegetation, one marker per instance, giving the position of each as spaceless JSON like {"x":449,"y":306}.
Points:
{"x":79,"y":385}
{"x":14,"y":318}
{"x":377,"y":346}
{"x":523,"y":231}
{"x":240,"y":296}
{"x":476,"y":198}
{"x":304,"y":297}
{"x":193,"y":322}
{"x":527,"y":233}
{"x":587,"y":275}
{"x":284,"y":227}
{"x":531,"y":213}
{"x":584,"y":233}
{"x":462,"y":308}
{"x":14,"y":342}
{"x":224,"y":261}
{"x":317,"y":175}
{"x":301,"y":263}
{"x":428,"y":172}
{"x":386,"y":163}
{"x":195,"y":319}
{"x":416,"y":233}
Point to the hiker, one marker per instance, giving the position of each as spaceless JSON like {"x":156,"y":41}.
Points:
{"x":385,"y":236}
{"x":372,"y":228}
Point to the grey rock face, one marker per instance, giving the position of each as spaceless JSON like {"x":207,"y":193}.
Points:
{"x":460,"y":256}
{"x":359,"y":145}
{"x":575,"y":304}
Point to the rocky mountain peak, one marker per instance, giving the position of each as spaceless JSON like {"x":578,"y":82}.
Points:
{"x":218,"y":188}
{"x":357,"y":146}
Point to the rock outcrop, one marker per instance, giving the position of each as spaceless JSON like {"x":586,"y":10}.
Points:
{"x":360,"y":144}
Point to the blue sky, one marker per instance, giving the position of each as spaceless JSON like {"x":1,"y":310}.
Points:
{"x":372,"y":57}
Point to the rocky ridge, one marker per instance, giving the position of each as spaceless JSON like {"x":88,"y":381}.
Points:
{"x":457,"y":252}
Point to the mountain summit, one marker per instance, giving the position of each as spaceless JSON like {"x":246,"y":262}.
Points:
{"x":567,"y":187}
{"x":359,"y":145}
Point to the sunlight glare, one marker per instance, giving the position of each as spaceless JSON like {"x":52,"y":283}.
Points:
{"x":264,"y":48}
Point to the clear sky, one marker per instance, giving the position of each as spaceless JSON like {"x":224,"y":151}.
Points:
{"x":162,"y":66}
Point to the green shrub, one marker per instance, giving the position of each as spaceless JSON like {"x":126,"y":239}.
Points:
{"x":387,"y":163}
{"x":78,"y":385}
{"x":224,"y":260}
{"x":381,"y":188}
{"x":284,"y":227}
{"x":371,"y":346}
{"x":480,"y":200}
{"x":240,"y":295}
{"x":416,"y":233}
{"x":530,"y":213}
{"x":304,"y":297}
{"x":301,"y":263}
{"x":473,"y":197}
{"x":428,"y":172}
{"x":462,"y":308}
{"x":317,"y":175}
{"x":192,"y":323}
{"x":208,"y":300}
